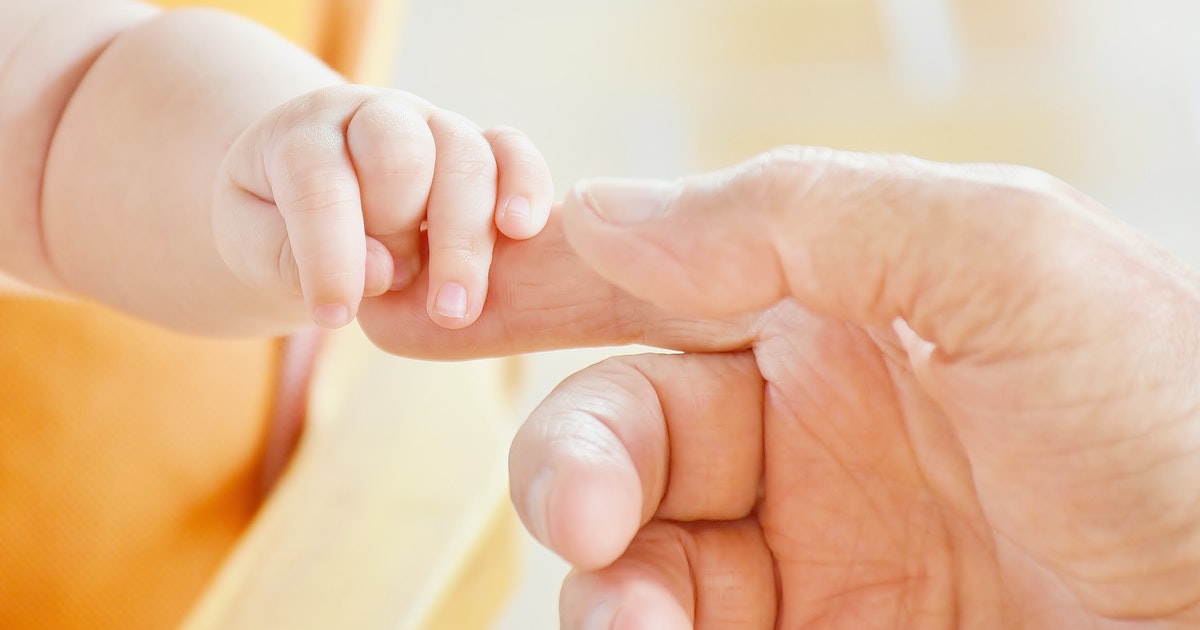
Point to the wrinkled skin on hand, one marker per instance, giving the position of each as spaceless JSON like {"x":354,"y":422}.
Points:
{"x":915,"y":396}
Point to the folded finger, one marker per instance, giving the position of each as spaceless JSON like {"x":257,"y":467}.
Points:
{"x":634,"y":438}
{"x":525,"y":190}
{"x":393,"y":152}
{"x":313,"y":184}
{"x":713,"y":576}
{"x":461,"y":232}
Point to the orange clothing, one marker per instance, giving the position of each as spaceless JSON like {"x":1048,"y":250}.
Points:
{"x":131,"y":457}
{"x":128,"y":464}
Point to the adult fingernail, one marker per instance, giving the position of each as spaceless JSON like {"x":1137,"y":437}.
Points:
{"x":451,"y":301}
{"x":629,"y":201}
{"x":537,"y":506}
{"x":602,"y":616}
{"x":517,"y":209}
{"x":331,"y":315}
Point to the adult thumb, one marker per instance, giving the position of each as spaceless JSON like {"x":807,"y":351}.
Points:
{"x":954,"y":250}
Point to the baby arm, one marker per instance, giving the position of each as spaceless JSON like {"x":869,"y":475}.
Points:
{"x":45,"y":50}
{"x":206,"y":175}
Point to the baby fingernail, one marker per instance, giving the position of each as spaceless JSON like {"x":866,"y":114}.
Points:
{"x":331,"y":315}
{"x":451,"y":301}
{"x":629,"y":201}
{"x":537,"y":499}
{"x":406,"y":270}
{"x":517,"y":209}
{"x":378,"y":261}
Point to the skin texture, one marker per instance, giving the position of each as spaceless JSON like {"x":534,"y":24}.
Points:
{"x":236,"y":189}
{"x":200,"y":173}
{"x":912,"y":395}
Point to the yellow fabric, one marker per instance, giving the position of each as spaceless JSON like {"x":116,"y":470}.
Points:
{"x":129,"y":456}
{"x":356,"y":37}
{"x":394,"y":512}
{"x":301,"y":21}
{"x":128,"y":464}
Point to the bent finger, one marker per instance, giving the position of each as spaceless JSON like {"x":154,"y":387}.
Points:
{"x":393,"y":153}
{"x":461,"y":231}
{"x":526,"y":190}
{"x":675,"y":576}
{"x":316,"y":190}
{"x":634,"y":438}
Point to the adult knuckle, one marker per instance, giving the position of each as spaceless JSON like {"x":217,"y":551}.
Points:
{"x":778,"y":179}
{"x":1028,"y":199}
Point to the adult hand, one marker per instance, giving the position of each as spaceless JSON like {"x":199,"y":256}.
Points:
{"x":934,"y":396}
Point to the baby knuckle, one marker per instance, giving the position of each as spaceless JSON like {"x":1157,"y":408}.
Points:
{"x":508,"y":136}
{"x":287,"y":272}
{"x":303,"y":145}
{"x":390,"y":120}
{"x":465,"y":249}
{"x":470,"y":165}
{"x":321,"y":195}
{"x":397,"y":161}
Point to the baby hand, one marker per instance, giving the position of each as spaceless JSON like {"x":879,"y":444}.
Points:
{"x":327,"y":197}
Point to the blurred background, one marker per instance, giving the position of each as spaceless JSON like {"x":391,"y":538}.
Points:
{"x":1102,"y":93}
